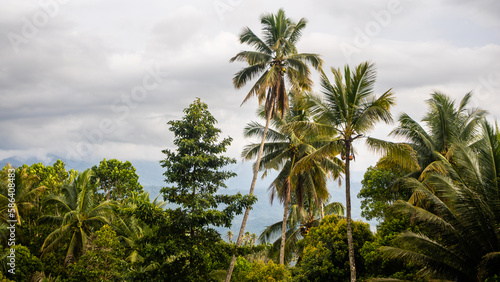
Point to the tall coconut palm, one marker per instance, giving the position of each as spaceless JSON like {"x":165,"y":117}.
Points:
{"x":274,"y":61}
{"x":81,"y":214}
{"x":351,"y":108}
{"x":457,"y":204}
{"x":287,"y":143}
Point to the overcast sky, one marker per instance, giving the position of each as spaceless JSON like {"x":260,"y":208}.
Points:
{"x":99,"y":79}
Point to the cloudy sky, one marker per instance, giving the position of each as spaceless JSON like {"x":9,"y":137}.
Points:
{"x":88,"y":79}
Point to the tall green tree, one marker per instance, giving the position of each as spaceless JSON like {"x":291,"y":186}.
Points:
{"x":185,"y":246}
{"x":350,"y":108}
{"x":274,"y":61}
{"x":80,"y":214}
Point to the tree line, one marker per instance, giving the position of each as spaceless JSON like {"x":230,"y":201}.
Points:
{"x":435,"y":194}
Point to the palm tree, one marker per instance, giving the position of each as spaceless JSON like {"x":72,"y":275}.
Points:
{"x":81,"y":215}
{"x":446,"y":122}
{"x":275,"y":60}
{"x":286,"y":146}
{"x":24,"y":191}
{"x":351,"y":109}
{"x":229,"y":236}
{"x":456,"y":204}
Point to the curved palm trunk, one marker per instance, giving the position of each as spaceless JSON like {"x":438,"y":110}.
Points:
{"x":252,"y":188}
{"x":352,"y":263}
{"x":283,"y":226}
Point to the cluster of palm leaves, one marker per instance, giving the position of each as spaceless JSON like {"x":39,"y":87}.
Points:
{"x":456,"y":196}
{"x":303,"y":187}
{"x":75,"y":213}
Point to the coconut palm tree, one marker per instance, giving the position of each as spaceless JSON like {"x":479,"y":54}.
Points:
{"x":444,"y":124}
{"x":287,"y":143}
{"x":81,"y":214}
{"x":229,"y":236}
{"x":23,"y":189}
{"x":350,"y":107}
{"x":456,"y":203}
{"x":275,"y":61}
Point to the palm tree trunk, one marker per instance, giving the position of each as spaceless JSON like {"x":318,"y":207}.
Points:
{"x":322,"y":209}
{"x":348,"y":210}
{"x":283,"y":226}
{"x":252,"y":188}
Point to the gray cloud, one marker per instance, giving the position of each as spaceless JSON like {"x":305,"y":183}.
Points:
{"x":70,"y":87}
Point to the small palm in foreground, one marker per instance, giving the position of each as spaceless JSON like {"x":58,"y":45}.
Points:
{"x":81,"y":215}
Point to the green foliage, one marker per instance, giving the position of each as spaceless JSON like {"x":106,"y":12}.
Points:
{"x":379,"y":266}
{"x":52,"y":176}
{"x":26,"y":264}
{"x":79,"y":213}
{"x":455,"y":203}
{"x":102,"y":261}
{"x":378,"y":192}
{"x":299,"y":188}
{"x":257,"y":271}
{"x":25,"y":191}
{"x":325,"y":256}
{"x":116,"y":180}
{"x":184,"y":245}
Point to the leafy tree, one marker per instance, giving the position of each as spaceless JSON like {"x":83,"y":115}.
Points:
{"x":275,"y":60}
{"x":81,"y":214}
{"x":185,"y":246}
{"x":103,"y":259}
{"x":116,"y":179}
{"x":326,"y":255}
{"x":259,"y":271}
{"x":26,"y":264}
{"x":379,"y":192}
{"x":52,"y":177}
{"x":351,"y":109}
